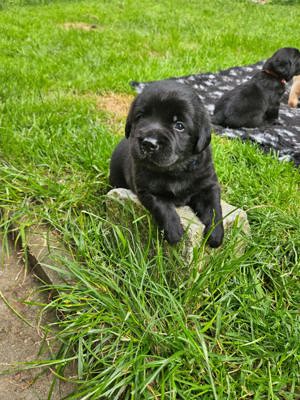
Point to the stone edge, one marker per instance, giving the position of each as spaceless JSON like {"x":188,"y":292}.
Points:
{"x":38,"y":249}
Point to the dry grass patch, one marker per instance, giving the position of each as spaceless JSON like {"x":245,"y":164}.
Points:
{"x":260,"y":1}
{"x":113,"y":106}
{"x":116,"y":105}
{"x":80,"y":25}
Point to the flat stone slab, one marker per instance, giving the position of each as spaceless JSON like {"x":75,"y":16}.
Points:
{"x":124,"y":208}
{"x":44,"y":252}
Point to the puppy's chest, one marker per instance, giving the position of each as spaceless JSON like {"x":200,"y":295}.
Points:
{"x":179,"y":191}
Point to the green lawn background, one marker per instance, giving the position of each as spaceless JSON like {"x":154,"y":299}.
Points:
{"x":144,"y":326}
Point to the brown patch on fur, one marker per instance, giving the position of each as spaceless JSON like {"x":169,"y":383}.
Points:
{"x":295,"y":92}
{"x":80,"y":25}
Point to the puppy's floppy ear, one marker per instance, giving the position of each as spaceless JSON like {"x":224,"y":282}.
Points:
{"x":129,"y":119}
{"x":204,"y":134}
{"x":128,"y":123}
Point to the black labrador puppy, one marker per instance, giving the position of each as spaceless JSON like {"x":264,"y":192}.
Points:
{"x":166,"y":159}
{"x":256,"y":102}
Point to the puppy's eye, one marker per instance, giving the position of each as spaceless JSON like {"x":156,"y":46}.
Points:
{"x":179,"y":126}
{"x":138,"y":116}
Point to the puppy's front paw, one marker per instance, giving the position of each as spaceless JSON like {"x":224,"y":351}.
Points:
{"x":173,"y":231}
{"x":277,"y":122}
{"x":215,"y":239}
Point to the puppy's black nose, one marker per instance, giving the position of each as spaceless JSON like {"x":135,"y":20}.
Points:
{"x":149,"y":145}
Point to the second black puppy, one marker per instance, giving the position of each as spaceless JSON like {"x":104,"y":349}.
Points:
{"x":166,"y":159}
{"x":256,"y":102}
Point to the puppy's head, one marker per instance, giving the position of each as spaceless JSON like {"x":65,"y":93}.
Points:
{"x":167,"y":123}
{"x":285,"y":63}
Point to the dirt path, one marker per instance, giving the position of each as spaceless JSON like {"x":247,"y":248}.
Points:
{"x":20,"y":341}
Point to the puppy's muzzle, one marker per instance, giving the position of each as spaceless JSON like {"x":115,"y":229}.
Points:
{"x":149,"y":145}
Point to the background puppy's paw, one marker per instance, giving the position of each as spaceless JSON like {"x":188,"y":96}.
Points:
{"x":293,"y":102}
{"x":277,"y":122}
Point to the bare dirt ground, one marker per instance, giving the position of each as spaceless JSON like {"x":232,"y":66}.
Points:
{"x":20,"y":341}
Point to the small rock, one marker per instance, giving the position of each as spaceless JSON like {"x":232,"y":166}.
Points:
{"x":124,"y":208}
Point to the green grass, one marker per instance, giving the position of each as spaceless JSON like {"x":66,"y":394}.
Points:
{"x":142,"y":324}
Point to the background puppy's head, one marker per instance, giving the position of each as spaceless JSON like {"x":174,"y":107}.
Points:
{"x":285,"y":63}
{"x":167,"y":123}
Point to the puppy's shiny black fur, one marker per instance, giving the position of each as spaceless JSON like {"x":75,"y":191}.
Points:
{"x":256,"y":102}
{"x":166,"y":159}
